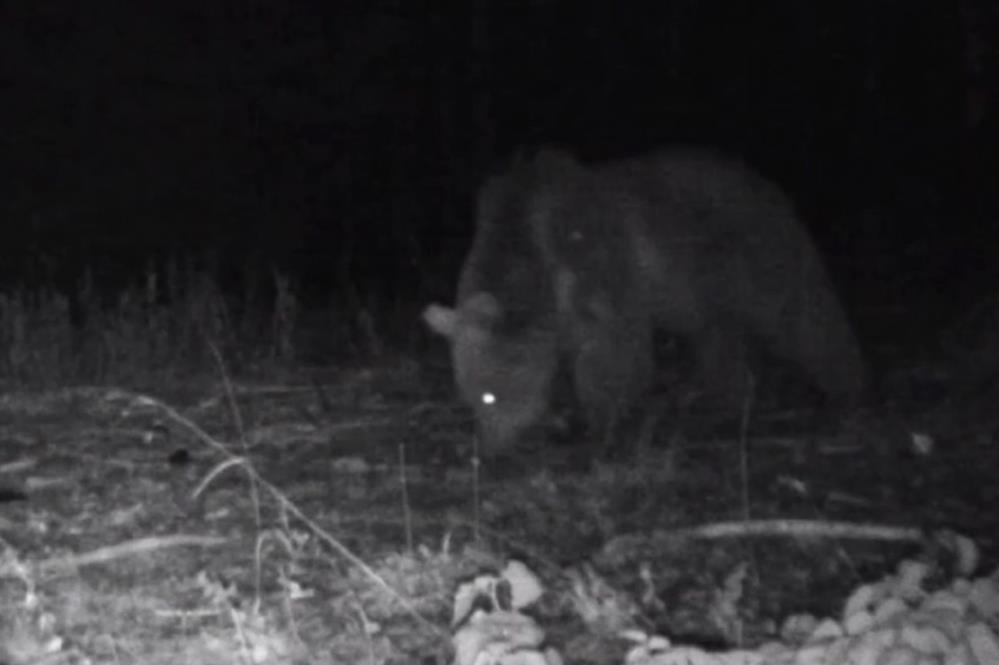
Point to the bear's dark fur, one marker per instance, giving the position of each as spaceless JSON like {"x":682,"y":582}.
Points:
{"x":577,"y":266}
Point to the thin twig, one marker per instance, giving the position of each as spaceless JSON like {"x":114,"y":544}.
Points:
{"x":285,"y":503}
{"x":128,"y":548}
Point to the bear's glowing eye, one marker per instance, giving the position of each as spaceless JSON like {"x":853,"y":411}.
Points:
{"x":488,"y":399}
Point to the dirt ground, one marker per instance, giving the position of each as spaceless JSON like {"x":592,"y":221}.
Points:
{"x":328,"y":517}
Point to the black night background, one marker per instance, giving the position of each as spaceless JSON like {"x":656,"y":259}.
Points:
{"x":249,"y":204}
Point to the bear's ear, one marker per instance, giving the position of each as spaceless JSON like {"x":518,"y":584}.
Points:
{"x":442,"y":320}
{"x":481,"y":309}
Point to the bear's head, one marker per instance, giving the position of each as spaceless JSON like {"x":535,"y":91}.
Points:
{"x":505,"y":378}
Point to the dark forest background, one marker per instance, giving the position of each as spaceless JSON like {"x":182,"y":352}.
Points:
{"x":340,"y":144}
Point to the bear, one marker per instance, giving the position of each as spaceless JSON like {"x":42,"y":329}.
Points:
{"x":574,"y":268}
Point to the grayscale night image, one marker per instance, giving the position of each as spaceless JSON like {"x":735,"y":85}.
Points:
{"x":499,"y":333}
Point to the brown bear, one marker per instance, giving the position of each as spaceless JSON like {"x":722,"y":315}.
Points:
{"x":577,"y":266}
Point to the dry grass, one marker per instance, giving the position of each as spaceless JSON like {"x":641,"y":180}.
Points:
{"x":163,"y":327}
